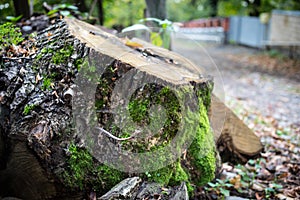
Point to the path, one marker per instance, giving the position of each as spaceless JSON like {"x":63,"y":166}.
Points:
{"x":277,"y":96}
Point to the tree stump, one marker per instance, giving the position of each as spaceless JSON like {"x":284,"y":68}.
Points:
{"x":88,"y":109}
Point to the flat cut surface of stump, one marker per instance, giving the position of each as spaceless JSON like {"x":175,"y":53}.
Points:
{"x":167,"y":65}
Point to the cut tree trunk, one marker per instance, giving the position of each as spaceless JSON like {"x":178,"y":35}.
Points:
{"x":237,"y":143}
{"x":51,"y":111}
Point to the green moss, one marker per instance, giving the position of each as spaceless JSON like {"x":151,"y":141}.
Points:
{"x":163,"y":122}
{"x":88,"y":70}
{"x":9,"y":35}
{"x":202,"y":149}
{"x":62,"y":55}
{"x":78,"y":63}
{"x":204,"y":92}
{"x":172,"y":175}
{"x":44,"y":51}
{"x":161,"y":176}
{"x":107,"y":177}
{"x":80,"y":163}
{"x":28,"y":108}
{"x":59,"y":56}
{"x":178,"y":175}
{"x":46,"y":84}
{"x":138,"y":109}
{"x":82,"y":172}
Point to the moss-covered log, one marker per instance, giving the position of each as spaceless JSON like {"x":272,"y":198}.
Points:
{"x":88,"y":109}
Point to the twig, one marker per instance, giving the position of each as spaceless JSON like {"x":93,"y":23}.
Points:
{"x":112,"y":136}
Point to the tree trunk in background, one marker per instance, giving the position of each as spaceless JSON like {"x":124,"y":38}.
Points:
{"x":22,"y":8}
{"x":254,"y":7}
{"x":157,"y":8}
{"x":100,"y":12}
{"x":81,"y":5}
{"x":214,"y":7}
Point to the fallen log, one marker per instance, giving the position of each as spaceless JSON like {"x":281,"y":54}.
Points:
{"x":89,"y":109}
{"x":236,"y":142}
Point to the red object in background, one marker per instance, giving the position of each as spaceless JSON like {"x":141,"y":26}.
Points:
{"x":225,"y":24}
{"x":216,"y":22}
{"x":211,"y":22}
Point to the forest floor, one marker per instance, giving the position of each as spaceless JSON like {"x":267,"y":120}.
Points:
{"x":263,"y":89}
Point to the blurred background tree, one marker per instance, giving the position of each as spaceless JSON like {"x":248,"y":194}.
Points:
{"x":22,"y":8}
{"x":156,"y":9}
{"x":184,"y":10}
{"x":254,"y":7}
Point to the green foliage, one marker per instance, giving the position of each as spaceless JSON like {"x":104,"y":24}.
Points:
{"x":64,"y":9}
{"x":160,"y":31}
{"x":123,"y":12}
{"x":282,"y":4}
{"x":156,"y":39}
{"x":64,"y":4}
{"x":9,"y":35}
{"x":232,"y":7}
{"x":236,"y":7}
{"x":6,"y":9}
{"x":185,"y":10}
{"x":220,"y":187}
{"x":28,"y":108}
{"x":162,"y":35}
{"x":272,"y":190}
{"x":13,"y":19}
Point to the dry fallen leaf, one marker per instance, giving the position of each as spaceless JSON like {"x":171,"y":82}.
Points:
{"x":236,"y":182}
{"x":132,"y":44}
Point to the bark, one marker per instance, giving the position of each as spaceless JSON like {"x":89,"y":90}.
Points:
{"x":22,"y":8}
{"x":214,"y":7}
{"x":133,"y":188}
{"x":157,"y":9}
